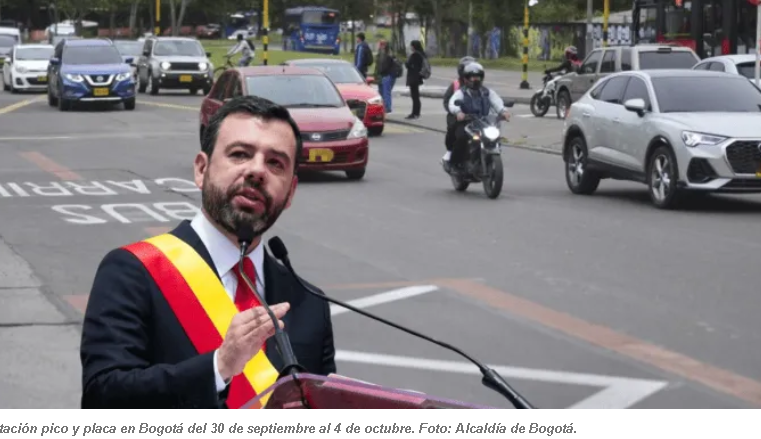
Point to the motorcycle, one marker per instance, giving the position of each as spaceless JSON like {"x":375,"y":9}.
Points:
{"x":544,"y":98}
{"x":484,"y":161}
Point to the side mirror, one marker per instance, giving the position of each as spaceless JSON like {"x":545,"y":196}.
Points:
{"x":458,"y":102}
{"x":54,"y":61}
{"x":129,"y":61}
{"x":636,"y":105}
{"x":370,"y":80}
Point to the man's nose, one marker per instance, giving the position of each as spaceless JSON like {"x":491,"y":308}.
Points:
{"x":256,"y":168}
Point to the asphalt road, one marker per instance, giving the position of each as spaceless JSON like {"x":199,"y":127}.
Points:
{"x":598,"y":301}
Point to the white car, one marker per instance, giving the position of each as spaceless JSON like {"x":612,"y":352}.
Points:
{"x":26,"y":67}
{"x":742,"y":64}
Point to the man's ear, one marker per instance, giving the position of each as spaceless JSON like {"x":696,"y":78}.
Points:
{"x":200,"y":167}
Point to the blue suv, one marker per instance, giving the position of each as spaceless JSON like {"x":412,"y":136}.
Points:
{"x":89,"y":70}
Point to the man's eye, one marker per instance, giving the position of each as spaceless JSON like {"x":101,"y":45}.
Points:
{"x":239,"y":154}
{"x":276,"y":163}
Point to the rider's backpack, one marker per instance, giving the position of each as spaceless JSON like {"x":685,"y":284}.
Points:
{"x":396,"y":67}
{"x":369,"y":59}
{"x":425,"y":71}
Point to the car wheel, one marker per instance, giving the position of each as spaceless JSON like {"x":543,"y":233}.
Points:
{"x":6,"y":87}
{"x":206,"y":90}
{"x":129,"y":104}
{"x":563,"y":104}
{"x":579,"y":179}
{"x":355,"y":174}
{"x":153,"y":84}
{"x":376,"y":131}
{"x":52,"y":101}
{"x":141,"y":86}
{"x":663,"y":176}
{"x":63,"y":104}
{"x":193,"y":91}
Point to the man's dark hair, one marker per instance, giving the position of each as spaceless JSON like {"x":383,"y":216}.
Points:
{"x":361,"y":36}
{"x":255,"y":107}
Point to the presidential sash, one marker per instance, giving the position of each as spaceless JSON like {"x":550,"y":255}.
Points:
{"x":203,"y":307}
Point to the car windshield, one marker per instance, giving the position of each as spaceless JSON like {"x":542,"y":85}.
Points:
{"x":649,"y":60}
{"x":295,"y":90}
{"x":79,"y":55}
{"x":34,"y":53}
{"x":339,"y":73}
{"x":178,"y":48}
{"x":717,"y":94}
{"x":747,"y":69}
{"x":8,"y":41}
{"x":129,"y":48}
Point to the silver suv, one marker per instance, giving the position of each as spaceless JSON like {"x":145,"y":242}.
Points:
{"x":174,"y":63}
{"x":676,"y":131}
{"x":603,"y":62}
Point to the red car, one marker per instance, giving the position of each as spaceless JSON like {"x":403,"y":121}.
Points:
{"x":364,"y":100}
{"x":334,"y":138}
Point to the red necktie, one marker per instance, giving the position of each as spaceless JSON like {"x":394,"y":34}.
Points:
{"x":244,"y":297}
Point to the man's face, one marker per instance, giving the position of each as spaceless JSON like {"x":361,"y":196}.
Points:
{"x":249,"y":178}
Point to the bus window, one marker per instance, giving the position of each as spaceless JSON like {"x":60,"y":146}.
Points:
{"x":319,"y":17}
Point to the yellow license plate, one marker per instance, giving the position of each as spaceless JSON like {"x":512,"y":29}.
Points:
{"x":320,"y":155}
{"x":100,"y":92}
{"x":186,"y":78}
{"x":42,"y":78}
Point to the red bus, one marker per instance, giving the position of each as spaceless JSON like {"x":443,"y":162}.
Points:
{"x":709,"y":27}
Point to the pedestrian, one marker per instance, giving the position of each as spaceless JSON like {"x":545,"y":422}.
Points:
{"x":415,"y":63}
{"x":363,"y":57}
{"x":385,"y":71}
{"x":171,"y":322}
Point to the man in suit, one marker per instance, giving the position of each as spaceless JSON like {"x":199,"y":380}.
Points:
{"x":142,"y":348}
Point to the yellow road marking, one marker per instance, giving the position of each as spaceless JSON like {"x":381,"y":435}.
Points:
{"x":173,"y":106}
{"x":20,"y":104}
{"x":392,"y":128}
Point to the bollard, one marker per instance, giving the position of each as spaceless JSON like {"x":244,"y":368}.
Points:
{"x":524,"y":82}
{"x":157,"y":29}
{"x":605,"y":15}
{"x":266,"y":30}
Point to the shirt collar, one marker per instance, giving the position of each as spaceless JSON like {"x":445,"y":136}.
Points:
{"x":224,"y":253}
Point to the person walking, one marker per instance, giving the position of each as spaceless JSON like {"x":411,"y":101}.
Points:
{"x":385,"y":72}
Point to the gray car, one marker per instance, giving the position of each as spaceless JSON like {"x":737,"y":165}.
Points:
{"x":174,"y":63}
{"x":673,"y":130}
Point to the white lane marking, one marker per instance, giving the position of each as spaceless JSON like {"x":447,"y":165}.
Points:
{"x":387,"y":297}
{"x":619,"y":392}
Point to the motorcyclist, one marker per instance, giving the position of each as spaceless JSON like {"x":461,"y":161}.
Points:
{"x":570,"y":62}
{"x":454,"y":86}
{"x":477,"y":101}
{"x":247,"y":49}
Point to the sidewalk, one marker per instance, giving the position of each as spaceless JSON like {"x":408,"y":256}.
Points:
{"x":523,"y":131}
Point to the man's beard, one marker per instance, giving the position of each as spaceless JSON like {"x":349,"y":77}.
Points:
{"x":219,"y":207}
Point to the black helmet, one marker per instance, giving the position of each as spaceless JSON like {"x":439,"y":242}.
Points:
{"x":464,"y":61}
{"x":473,"y":74}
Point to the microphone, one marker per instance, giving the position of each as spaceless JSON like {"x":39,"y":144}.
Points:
{"x":490,"y":377}
{"x":283,"y":343}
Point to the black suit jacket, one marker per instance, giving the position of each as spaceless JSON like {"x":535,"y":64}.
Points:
{"x":135,"y":353}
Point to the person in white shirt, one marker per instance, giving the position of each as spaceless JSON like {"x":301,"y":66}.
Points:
{"x":246,"y":49}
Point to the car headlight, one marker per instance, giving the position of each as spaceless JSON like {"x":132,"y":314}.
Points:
{"x":74,"y":78}
{"x":375,"y":101}
{"x":21,"y":69}
{"x":492,"y":133}
{"x":123,"y":76}
{"x":358,"y":131}
{"x":202,"y":66}
{"x":693,"y":139}
{"x":165,"y":65}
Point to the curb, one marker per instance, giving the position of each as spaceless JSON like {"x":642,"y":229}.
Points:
{"x":534,"y":148}
{"x":440,"y":95}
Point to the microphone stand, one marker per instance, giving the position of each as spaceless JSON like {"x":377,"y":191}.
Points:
{"x":490,"y":377}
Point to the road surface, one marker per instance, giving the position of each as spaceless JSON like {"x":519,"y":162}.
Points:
{"x":598,"y":301}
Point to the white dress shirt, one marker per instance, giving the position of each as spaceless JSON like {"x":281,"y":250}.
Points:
{"x":225,"y":256}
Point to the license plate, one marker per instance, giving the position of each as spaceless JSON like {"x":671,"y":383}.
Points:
{"x":186,"y":78}
{"x":42,"y":78}
{"x":100,"y":92}
{"x":320,"y":155}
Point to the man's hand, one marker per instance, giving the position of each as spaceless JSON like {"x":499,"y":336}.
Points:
{"x":461,"y":116}
{"x":506,"y":115}
{"x":247,"y":333}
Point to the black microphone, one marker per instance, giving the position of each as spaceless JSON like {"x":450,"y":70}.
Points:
{"x":283,"y":343}
{"x":490,"y":379}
